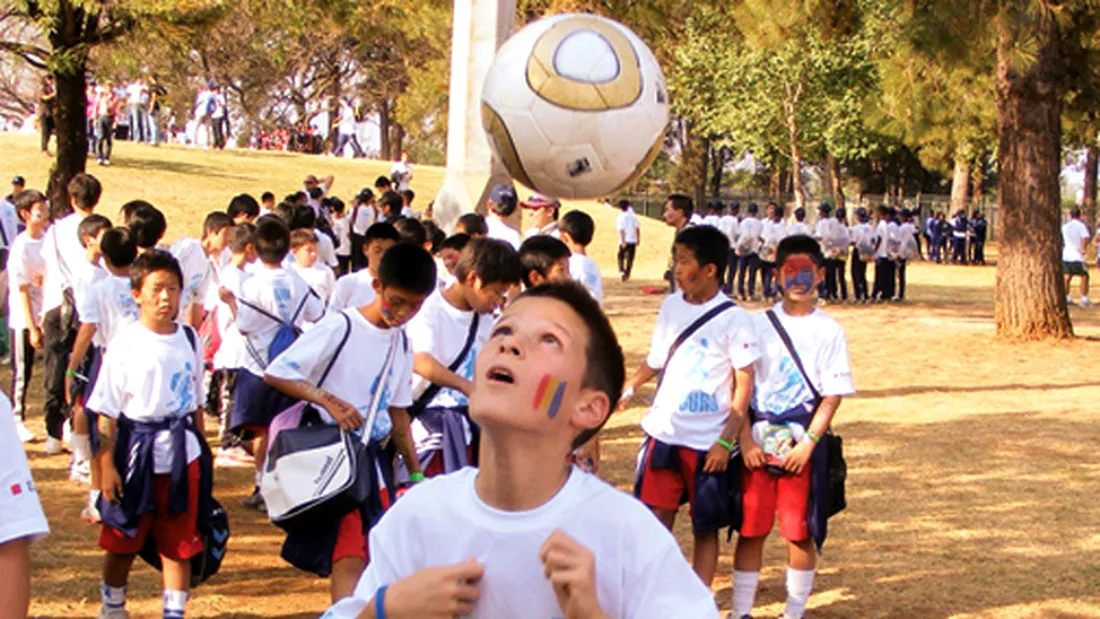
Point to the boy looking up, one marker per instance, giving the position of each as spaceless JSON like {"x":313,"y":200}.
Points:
{"x":519,"y":536}
{"x":544,"y":259}
{"x":693,"y":422}
{"x":355,"y":289}
{"x":798,"y":391}
{"x":26,"y":272}
{"x":372,"y":372}
{"x":577,"y":229}
{"x":446,"y":335}
{"x":155,"y":466}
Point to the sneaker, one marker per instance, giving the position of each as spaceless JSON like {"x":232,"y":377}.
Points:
{"x":53,"y":446}
{"x":107,"y":162}
{"x":1086,"y":303}
{"x":80,"y":472}
{"x":113,"y":613}
{"x":25,"y":434}
{"x":256,"y":502}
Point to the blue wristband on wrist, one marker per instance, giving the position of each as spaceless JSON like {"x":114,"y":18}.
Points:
{"x":380,"y":602}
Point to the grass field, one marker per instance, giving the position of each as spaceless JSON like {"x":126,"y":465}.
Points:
{"x":973,"y":463}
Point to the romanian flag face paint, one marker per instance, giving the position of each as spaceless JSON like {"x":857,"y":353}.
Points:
{"x":549,"y":395}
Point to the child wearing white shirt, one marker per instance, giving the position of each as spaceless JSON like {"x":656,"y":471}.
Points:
{"x":26,"y":272}
{"x":199,"y":261}
{"x":355,"y":289}
{"x":748,"y":248}
{"x":341,"y":227}
{"x":798,"y":390}
{"x":577,"y":230}
{"x":704,"y":344}
{"x":303,"y":243}
{"x":155,"y":466}
{"x":519,"y":535}
{"x":353,"y":365}
{"x":863,"y":251}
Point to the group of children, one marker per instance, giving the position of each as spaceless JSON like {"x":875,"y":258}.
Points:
{"x":886,"y":239}
{"x":486,"y":366}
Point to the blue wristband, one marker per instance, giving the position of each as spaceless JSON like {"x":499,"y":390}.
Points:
{"x":380,"y":602}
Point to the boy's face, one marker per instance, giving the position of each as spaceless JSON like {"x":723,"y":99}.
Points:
{"x":799,"y":277}
{"x":306,"y":255}
{"x":691,"y":277}
{"x":220,"y":240}
{"x":449,"y":256}
{"x":529,"y":373}
{"x":672,"y":215}
{"x":484,"y":298}
{"x":159,"y":297}
{"x":559,"y":271}
{"x":91,"y":244}
{"x":398,"y":306}
{"x":38,"y":214}
{"x":375,"y":249}
{"x":245,"y":218}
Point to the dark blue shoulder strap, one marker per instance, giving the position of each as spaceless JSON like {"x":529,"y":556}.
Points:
{"x":339,"y":348}
{"x":699,"y":323}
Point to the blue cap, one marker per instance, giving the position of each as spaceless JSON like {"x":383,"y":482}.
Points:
{"x":504,"y":196}
{"x":18,"y":180}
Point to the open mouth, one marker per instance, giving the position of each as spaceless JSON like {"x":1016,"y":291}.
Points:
{"x":500,"y":375}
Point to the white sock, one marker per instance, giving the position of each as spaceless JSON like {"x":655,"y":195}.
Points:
{"x":175,"y":603}
{"x":1085,"y":299}
{"x":259,"y":477}
{"x":81,"y":445}
{"x":113,"y":597}
{"x":744,"y":592}
{"x":799,"y":585}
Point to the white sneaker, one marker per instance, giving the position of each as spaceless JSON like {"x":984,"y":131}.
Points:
{"x":53,"y":446}
{"x":80,"y":472}
{"x":25,"y":434}
{"x":113,"y":613}
{"x":1085,"y":302}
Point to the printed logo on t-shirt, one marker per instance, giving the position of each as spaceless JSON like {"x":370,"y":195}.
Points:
{"x":181,"y":387}
{"x":382,"y":423}
{"x":787,"y":392}
{"x":282,"y":298}
{"x":466,"y":370}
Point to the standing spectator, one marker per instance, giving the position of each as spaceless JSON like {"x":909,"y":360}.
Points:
{"x":544,"y":215}
{"x":1075,"y":235}
{"x":204,"y":109}
{"x":979,"y":229}
{"x":106,"y":107}
{"x":90,"y":92}
{"x":402,"y":174}
{"x":136,"y":99}
{"x":47,"y":103}
{"x":960,"y":227}
{"x":347,"y":131}
{"x":219,"y":118}
{"x":678,"y":214}
{"x":18,"y":183}
{"x":502,"y":203}
{"x":630,"y":236}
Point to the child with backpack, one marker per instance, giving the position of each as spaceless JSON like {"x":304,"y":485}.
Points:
{"x":863,"y":242}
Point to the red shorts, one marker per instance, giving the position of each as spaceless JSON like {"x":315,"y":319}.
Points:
{"x":667,"y":489}
{"x":766,"y":496}
{"x":351,"y":539}
{"x":177,"y":535}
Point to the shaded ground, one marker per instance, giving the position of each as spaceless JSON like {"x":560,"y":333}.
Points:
{"x":972,"y":462}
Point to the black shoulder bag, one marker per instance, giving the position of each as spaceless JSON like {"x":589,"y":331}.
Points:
{"x":838,"y":468}
{"x":699,"y":323}
{"x":433,"y":389}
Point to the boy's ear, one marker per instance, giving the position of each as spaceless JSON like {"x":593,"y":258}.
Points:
{"x":472,"y":281}
{"x":710,"y":270}
{"x":376,"y":284}
{"x":535,"y":278}
{"x":593,"y":407}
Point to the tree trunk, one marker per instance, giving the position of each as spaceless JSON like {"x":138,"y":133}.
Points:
{"x":716,"y":173}
{"x":702,"y":165}
{"x":960,"y":184}
{"x":384,"y":128}
{"x":833,"y":173}
{"x":1088,"y":201}
{"x":70,"y":117}
{"x":1030,"y":295}
{"x":398,"y":142}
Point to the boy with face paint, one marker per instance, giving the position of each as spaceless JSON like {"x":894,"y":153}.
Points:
{"x":371,"y":371}
{"x":519,"y":536}
{"x":698,"y":408}
{"x":783,"y":465}
{"x":443,"y":362}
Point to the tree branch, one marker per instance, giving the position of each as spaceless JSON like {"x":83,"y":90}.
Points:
{"x":35,"y":56}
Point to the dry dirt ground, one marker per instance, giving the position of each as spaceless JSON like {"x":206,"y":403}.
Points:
{"x":973,"y":463}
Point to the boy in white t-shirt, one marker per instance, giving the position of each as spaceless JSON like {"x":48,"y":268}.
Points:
{"x":89,"y":271}
{"x":272,"y":299}
{"x":697,"y":411}
{"x":243,"y":208}
{"x":355,"y":364}
{"x":730,"y":225}
{"x":798,"y":226}
{"x":199,"y":261}
{"x":520,"y":535}
{"x":341,"y":228}
{"x":630,"y":236}
{"x":544,"y":259}
{"x":1075,"y":236}
{"x":446,"y":336}
{"x":22,"y":521}
{"x":354,"y":289}
{"x":786,"y":470}
{"x":155,"y":467}
{"x":26,"y":272}
{"x":863,"y":251}
{"x":577,"y":230}
{"x":303,"y":243}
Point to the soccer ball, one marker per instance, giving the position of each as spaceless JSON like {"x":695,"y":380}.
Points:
{"x":575,"y":106}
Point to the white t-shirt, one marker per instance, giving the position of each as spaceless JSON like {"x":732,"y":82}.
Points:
{"x":627,"y":223}
{"x":61,"y":240}
{"x":198,"y":273}
{"x":821,"y":346}
{"x":326,"y":250}
{"x":885,"y":230}
{"x":26,"y":266}
{"x":403,"y":173}
{"x":1075,"y":234}
{"x":279,"y":292}
{"x":499,"y":230}
{"x":362,"y":218}
{"x":696,"y":219}
{"x":711,"y":220}
{"x":348,"y":124}
{"x":585,"y":270}
{"x":693,"y":403}
{"x":149,"y":377}
{"x":320,"y":278}
{"x":771,"y":232}
{"x":751,"y":228}
{"x":640,"y":569}
{"x":231,"y":353}
{"x":440,"y":329}
{"x":797,"y":227}
{"x":862,"y":233}
{"x":352,"y":291}
{"x":21,"y":514}
{"x":342,"y":227}
{"x":729,"y":226}
{"x":354,"y":376}
{"x":84,"y":275}
{"x":109,"y":306}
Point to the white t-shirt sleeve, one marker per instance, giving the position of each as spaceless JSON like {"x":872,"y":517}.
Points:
{"x":21,"y":515}
{"x":421,"y":333}
{"x":744,"y":349}
{"x":402,"y":377}
{"x":88,"y":307}
{"x":836,"y":373}
{"x":107,"y":395}
{"x":667,"y":587}
{"x":380,"y":571}
{"x":661,"y":341}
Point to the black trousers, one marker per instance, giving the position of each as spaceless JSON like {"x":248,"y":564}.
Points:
{"x":732,"y":268}
{"x":750,"y":264}
{"x":767,"y":279}
{"x":859,"y":279}
{"x":57,"y":342}
{"x":958,"y":253}
{"x":22,"y":370}
{"x":978,"y":249}
{"x":47,"y":128}
{"x":884,"y":279}
{"x":626,"y":259}
{"x":900,"y":267}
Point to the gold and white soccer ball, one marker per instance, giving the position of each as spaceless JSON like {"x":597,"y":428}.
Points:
{"x":575,"y":106}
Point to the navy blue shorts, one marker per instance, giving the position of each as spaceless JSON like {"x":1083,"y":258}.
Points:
{"x":92,"y":365}
{"x":255,"y":403}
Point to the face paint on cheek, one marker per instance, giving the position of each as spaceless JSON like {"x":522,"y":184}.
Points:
{"x":549,"y":395}
{"x":387,"y":309}
{"x":798,"y":275}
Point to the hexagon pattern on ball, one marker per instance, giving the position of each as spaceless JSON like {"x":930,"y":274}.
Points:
{"x":575,"y":106}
